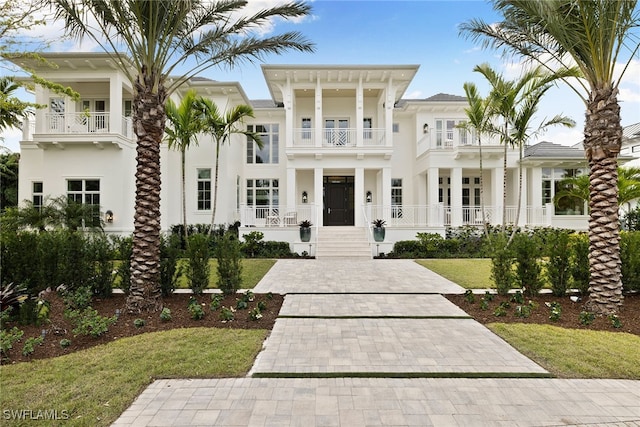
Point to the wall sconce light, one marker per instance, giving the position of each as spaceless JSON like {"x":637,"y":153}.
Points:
{"x":305,"y":197}
{"x":368,"y":197}
{"x":108,"y":216}
{"x":425,"y":128}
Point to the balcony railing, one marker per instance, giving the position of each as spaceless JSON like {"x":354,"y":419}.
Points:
{"x":77,"y":122}
{"x":306,"y":137}
{"x":274,"y":216}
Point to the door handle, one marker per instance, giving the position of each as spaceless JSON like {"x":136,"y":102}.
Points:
{"x":328,"y":210}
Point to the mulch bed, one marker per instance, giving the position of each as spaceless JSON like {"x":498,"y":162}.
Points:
{"x":629,"y":315}
{"x":59,"y":327}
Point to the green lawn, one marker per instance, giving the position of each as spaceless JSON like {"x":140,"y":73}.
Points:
{"x":470,"y":273}
{"x":573,"y":353}
{"x":95,"y":386}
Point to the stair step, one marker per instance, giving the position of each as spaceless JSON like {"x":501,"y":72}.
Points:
{"x":343,"y":242}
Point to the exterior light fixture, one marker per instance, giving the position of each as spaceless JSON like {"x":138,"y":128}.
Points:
{"x":305,"y":197}
{"x":368,"y":197}
{"x":108,"y":216}
{"x":425,"y":128}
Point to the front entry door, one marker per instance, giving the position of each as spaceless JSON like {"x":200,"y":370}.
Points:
{"x":338,"y":200}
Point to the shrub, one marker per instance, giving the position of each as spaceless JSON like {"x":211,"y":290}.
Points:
{"x":501,"y":264}
{"x":254,"y":314}
{"x":227,"y":314}
{"x":559,"y":265}
{"x":630,"y":256}
{"x":139,"y":323}
{"x":229,"y":267}
{"x":407,"y":249}
{"x":101,"y":253}
{"x":198,"y":270}
{"x":30,"y":345}
{"x":431,"y":244}
{"x":8,"y":338}
{"x":216,"y":301}
{"x":579,"y":256}
{"x":631,"y":221}
{"x":77,"y":299}
{"x":469,"y":297}
{"x":89,"y":322}
{"x":196,"y":311}
{"x":528,"y":270}
{"x":165,"y":314}
{"x":169,"y":271}
{"x":586,"y":318}
{"x":34,"y":311}
{"x":253,"y":244}
{"x":615,"y":321}
{"x":555,"y":311}
{"x":64,"y":343}
{"x":123,"y":251}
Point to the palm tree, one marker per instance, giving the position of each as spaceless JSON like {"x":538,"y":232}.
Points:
{"x":590,"y":34}
{"x":12,"y":110}
{"x":185,"y":125}
{"x":221,"y":127}
{"x":576,"y":188}
{"x":149,"y":40}
{"x":479,"y":120}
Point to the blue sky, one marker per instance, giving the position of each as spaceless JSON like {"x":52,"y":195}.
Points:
{"x":423,"y":32}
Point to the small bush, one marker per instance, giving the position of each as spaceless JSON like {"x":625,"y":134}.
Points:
{"x":615,"y":321}
{"x":198,"y":270}
{"x":517,"y":298}
{"x":165,"y":314}
{"x":229,"y":267}
{"x":30,"y":345}
{"x":216,"y":301}
{"x":196,"y":311}
{"x":501,"y":310}
{"x":254,"y":314}
{"x":501,"y":264}
{"x":630,"y":256}
{"x":227,"y":314}
{"x":139,"y":323}
{"x":169,"y":271}
{"x":527,"y":250}
{"x":64,"y":343}
{"x":77,"y":299}
{"x":559,"y":265}
{"x":89,"y":322}
{"x":253,"y":244}
{"x":555,"y":311}
{"x":523,"y":311}
{"x":123,"y":251}
{"x":579,"y":256}
{"x":469,"y":297}
{"x":8,"y":338}
{"x":586,"y":318}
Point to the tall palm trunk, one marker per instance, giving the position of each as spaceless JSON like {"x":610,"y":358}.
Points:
{"x":517,"y":219}
{"x":484,"y":217}
{"x":603,"y":134}
{"x":184,"y":196}
{"x":504,"y":179}
{"x":215,"y":187}
{"x":149,"y":121}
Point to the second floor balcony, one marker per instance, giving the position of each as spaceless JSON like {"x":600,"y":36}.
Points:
{"x":76,"y":125}
{"x":338,"y":138}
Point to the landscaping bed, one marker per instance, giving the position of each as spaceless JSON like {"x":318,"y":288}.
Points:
{"x":59,"y":327}
{"x":540,"y":313}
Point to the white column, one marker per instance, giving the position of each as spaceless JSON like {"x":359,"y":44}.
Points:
{"x":497,"y":179}
{"x":456,"y":197}
{"x":386,"y":194}
{"x":359,"y":114}
{"x":388,"y":114}
{"x":287,"y":99}
{"x":319,"y":121}
{"x":359,"y":197}
{"x":433,"y":176}
{"x":115,"y":104}
{"x":535,"y":187}
{"x":318,"y":199}
{"x":291,"y":190}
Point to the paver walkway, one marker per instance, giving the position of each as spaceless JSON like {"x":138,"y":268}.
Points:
{"x":374,"y":343}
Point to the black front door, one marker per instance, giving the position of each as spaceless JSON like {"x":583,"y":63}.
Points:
{"x":338,"y":200}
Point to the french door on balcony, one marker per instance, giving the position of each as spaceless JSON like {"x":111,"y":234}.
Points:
{"x":336,"y":133}
{"x":338,"y":200}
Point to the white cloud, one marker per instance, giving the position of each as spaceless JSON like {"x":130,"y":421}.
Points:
{"x":416,"y":94}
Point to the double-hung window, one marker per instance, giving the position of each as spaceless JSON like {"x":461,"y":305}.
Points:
{"x":37,"y":194}
{"x":86,"y":191}
{"x":204,"y":189}
{"x":396,"y":198}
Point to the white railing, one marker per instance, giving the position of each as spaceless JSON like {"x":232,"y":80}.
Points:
{"x":77,"y":122}
{"x":266,"y":216}
{"x":305,"y":137}
{"x":406,"y":216}
{"x":127,"y":127}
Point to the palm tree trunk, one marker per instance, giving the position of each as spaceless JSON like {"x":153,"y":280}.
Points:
{"x":184,"y":197}
{"x":504,"y":180}
{"x":484,"y":219}
{"x":149,"y":120}
{"x":517,"y":220}
{"x":603,"y":137}
{"x":215,"y":187}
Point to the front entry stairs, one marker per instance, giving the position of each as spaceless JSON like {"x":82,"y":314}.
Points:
{"x":343,"y":242}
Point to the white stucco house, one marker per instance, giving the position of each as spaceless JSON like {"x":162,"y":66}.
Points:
{"x":341,"y":147}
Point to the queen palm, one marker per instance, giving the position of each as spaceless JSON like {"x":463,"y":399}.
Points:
{"x":221,"y":127}
{"x":185,"y":125}
{"x":149,"y":40}
{"x":590,"y":34}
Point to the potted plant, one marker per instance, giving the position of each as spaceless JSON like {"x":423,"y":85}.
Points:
{"x":378,"y":229}
{"x":305,"y":230}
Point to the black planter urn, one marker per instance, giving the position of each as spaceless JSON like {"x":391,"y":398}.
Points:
{"x":305,"y":234}
{"x":378,"y":234}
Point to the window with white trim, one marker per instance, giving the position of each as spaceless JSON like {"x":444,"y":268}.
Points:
{"x":551,"y":184}
{"x":37,"y":194}
{"x":396,"y":198}
{"x":269,"y":153}
{"x":86,"y":191}
{"x":204,"y":189}
{"x":263,"y":194}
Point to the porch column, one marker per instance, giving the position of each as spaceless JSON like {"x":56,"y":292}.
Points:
{"x":358,"y":197}
{"x":318,"y":197}
{"x":288,"y":101}
{"x":386,"y":194}
{"x":524,"y":214}
{"x":456,"y":197}
{"x":497,"y":180}
{"x":115,"y":104}
{"x":291,"y":190}
{"x":319,"y":125}
{"x":433,"y":184}
{"x":536,"y":188}
{"x":359,"y":115}
{"x":388,"y":118}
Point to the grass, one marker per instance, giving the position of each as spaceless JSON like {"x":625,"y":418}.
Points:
{"x":573,"y":353}
{"x":470,"y":273}
{"x":95,"y":386}
{"x":252,"y":271}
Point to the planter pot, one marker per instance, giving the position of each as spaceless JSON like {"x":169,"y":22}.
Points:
{"x":378,"y":234}
{"x":305,"y":234}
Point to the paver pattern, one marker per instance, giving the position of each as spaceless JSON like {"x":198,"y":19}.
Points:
{"x":342,"y":319}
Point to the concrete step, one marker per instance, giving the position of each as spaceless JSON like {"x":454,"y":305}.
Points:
{"x":343,"y":242}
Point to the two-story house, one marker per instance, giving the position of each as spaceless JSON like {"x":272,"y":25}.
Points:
{"x":342,"y":147}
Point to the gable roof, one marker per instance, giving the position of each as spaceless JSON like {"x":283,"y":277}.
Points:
{"x":549,"y":150}
{"x":631,"y":131}
{"x":445,"y":97}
